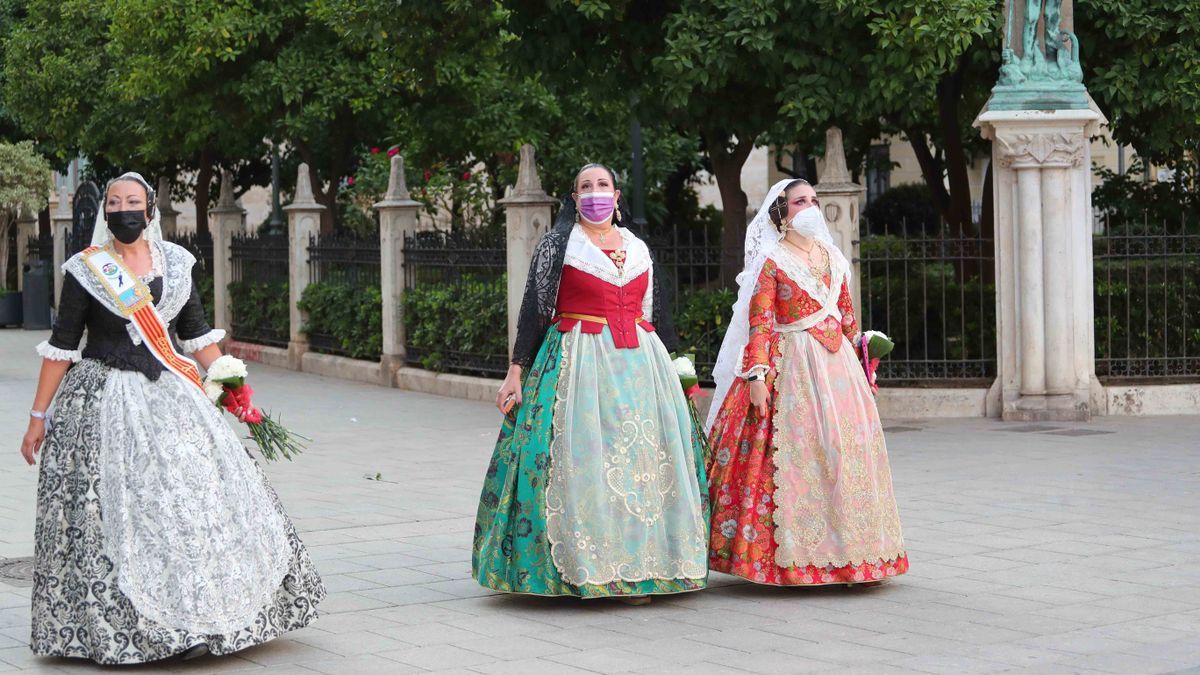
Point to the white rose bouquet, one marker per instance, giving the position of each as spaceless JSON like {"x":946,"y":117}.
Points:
{"x":874,"y":345}
{"x":685,"y":367}
{"x":225,"y":385}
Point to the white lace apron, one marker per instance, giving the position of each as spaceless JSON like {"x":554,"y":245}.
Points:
{"x":188,"y":523}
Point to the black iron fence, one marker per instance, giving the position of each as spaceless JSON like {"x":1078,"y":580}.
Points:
{"x":1147,"y":301}
{"x":200,"y":244}
{"x":455,"y":301}
{"x":689,"y":262}
{"x":935,"y":296}
{"x":259,"y":290}
{"x":40,"y":248}
{"x":343,"y":301}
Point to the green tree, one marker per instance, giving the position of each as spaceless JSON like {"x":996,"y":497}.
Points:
{"x":25,"y":184}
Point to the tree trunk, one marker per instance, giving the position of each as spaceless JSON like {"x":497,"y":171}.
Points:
{"x":931,"y":170}
{"x":727,"y":169}
{"x":6,"y":224}
{"x":204,"y":175}
{"x":949,"y":93}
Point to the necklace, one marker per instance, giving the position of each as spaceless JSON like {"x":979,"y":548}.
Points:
{"x":602,"y":235}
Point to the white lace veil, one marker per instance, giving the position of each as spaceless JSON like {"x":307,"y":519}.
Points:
{"x":100,"y":233}
{"x":761,"y":239}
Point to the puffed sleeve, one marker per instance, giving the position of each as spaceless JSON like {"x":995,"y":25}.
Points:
{"x":69,"y":324}
{"x":762,"y":321}
{"x":192,"y":326}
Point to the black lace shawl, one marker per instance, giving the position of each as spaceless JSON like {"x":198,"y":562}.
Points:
{"x":541,"y":291}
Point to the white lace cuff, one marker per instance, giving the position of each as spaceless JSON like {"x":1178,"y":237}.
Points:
{"x":212,"y":337}
{"x":759,"y":370}
{"x":49,"y":351}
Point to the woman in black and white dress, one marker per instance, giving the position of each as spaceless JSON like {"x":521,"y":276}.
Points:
{"x":157,"y":534}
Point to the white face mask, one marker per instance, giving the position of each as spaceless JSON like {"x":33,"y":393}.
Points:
{"x":809,"y":223}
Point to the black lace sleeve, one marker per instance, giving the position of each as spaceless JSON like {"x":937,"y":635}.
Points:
{"x":72,"y":315}
{"x":191,"y":322}
{"x":664,"y":324}
{"x":541,"y":292}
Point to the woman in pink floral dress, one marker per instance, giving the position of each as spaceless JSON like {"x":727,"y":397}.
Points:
{"x":799,"y":477}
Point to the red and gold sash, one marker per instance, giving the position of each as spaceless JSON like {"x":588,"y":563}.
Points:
{"x":132,"y":298}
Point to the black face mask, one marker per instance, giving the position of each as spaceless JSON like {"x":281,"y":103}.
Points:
{"x":126,"y":226}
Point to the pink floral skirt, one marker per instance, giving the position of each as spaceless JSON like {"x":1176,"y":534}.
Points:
{"x":804,"y":496}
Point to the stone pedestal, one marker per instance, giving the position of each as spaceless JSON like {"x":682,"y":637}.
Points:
{"x":1041,"y":168}
{"x":60,"y":231}
{"x":27,"y":226}
{"x":224,"y":220}
{"x":397,"y":218}
{"x":167,"y":214}
{"x":304,"y":222}
{"x":840,"y":197}
{"x":527,"y":211}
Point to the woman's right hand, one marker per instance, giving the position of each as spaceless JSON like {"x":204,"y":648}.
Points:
{"x":510,"y":389}
{"x":32,"y":443}
{"x":758,"y":397}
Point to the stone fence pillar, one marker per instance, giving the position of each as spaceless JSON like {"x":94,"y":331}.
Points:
{"x":527,"y":211}
{"x":224,"y":220}
{"x":60,"y":231}
{"x":1041,"y":168}
{"x":840,"y":197}
{"x":168,"y":215}
{"x":397,"y":218}
{"x":27,"y":226}
{"x":304,"y":221}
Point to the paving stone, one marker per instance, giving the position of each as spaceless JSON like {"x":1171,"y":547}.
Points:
{"x":1031,"y":552}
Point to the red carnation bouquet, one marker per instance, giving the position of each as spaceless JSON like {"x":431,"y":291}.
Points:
{"x":225,"y":385}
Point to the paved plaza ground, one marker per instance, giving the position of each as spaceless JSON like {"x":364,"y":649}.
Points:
{"x":1034,"y":548}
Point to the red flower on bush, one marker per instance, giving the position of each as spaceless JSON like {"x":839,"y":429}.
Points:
{"x":350,"y":181}
{"x":466,"y":175}
{"x":428,"y":174}
{"x":375,"y":151}
{"x":392,"y":152}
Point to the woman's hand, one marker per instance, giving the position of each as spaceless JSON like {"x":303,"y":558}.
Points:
{"x":510,"y":389}
{"x":32,"y":443}
{"x":758,"y":397}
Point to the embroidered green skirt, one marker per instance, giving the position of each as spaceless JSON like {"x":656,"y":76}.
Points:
{"x":596,"y":487}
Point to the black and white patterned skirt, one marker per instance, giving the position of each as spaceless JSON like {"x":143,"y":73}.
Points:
{"x":156,"y":530}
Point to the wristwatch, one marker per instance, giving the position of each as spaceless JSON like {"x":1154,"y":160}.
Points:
{"x":753,"y":377}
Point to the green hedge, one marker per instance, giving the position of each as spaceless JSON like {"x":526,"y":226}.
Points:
{"x":351,"y":315}
{"x":1151,"y":305}
{"x":701,"y":319}
{"x":467,"y":316}
{"x":260,"y":307}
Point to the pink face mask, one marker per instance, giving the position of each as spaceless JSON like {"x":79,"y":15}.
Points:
{"x":596,"y":207}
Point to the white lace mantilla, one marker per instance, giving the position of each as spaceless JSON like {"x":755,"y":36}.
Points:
{"x":188,"y":521}
{"x":170,"y":261}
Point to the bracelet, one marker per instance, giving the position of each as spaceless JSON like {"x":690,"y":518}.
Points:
{"x":753,"y":377}
{"x":37,"y":414}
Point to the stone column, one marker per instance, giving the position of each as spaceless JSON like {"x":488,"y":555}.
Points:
{"x":527,"y":211}
{"x":840,"y":197}
{"x":224,"y":220}
{"x":1042,"y":186}
{"x":397,"y":218}
{"x":60,"y":231}
{"x":167,"y":212}
{"x":304,"y":222}
{"x":27,"y":226}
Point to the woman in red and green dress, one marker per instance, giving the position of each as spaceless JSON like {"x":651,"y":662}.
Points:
{"x":800,"y":485}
